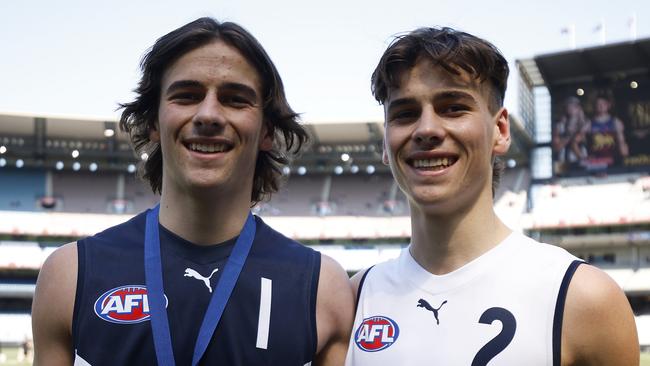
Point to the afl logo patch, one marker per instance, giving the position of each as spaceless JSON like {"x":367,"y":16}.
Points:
{"x":376,"y":333}
{"x":125,"y":304}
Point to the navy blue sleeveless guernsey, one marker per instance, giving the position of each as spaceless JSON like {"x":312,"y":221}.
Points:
{"x":270,"y":318}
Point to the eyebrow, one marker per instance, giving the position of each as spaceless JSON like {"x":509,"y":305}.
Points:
{"x":229,"y":86}
{"x":182,"y":84}
{"x":455,"y":94}
{"x":399,"y":103}
{"x":446,"y":95}
{"x":242,"y":88}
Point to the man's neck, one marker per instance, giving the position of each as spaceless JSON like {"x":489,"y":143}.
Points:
{"x":442,"y":243}
{"x":204,"y":218}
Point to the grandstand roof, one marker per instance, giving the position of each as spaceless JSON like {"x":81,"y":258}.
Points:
{"x":48,"y":138}
{"x":92,"y":127}
{"x":612,"y":61}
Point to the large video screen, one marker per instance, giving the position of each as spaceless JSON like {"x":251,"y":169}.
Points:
{"x":601,"y":129}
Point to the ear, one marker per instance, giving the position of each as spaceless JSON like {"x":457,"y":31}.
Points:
{"x":266,"y":138}
{"x":154,"y":133}
{"x":501,"y":140}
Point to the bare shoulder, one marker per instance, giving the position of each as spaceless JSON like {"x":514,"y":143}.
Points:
{"x":598,"y":326}
{"x":334,"y":312}
{"x":335,"y":298}
{"x":57,"y":279}
{"x":356,"y":281}
{"x":53,"y":307}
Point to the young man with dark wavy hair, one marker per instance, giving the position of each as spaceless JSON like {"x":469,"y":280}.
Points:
{"x":198,"y":279}
{"x":467,"y":290}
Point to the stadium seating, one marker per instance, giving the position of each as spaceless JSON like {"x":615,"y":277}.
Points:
{"x":84,"y":191}
{"x":591,"y":201}
{"x":20,"y":189}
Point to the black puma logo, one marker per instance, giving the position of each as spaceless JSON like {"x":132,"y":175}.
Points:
{"x":424,"y":304}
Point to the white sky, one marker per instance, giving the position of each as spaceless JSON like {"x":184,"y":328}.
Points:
{"x":82,"y":57}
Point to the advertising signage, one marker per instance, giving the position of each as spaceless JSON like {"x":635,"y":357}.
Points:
{"x":601,"y":129}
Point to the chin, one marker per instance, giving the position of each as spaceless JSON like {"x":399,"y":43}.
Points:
{"x":204,"y":183}
{"x":434,"y":202}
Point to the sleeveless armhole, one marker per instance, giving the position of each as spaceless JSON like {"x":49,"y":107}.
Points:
{"x":363,"y":279}
{"x":81,"y":271}
{"x":312,"y":305}
{"x":559,"y":312}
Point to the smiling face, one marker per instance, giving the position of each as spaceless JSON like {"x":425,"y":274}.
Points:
{"x":440,"y":138}
{"x":210,"y":121}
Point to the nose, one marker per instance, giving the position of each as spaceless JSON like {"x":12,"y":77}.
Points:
{"x":209,"y":117}
{"x":429,"y":130}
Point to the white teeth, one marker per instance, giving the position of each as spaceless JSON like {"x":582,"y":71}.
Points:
{"x":207,"y":148}
{"x":431,"y":163}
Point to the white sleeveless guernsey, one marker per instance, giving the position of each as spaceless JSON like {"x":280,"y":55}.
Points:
{"x":503,"y":308}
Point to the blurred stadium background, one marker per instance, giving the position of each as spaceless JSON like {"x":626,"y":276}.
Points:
{"x":63,"y":177}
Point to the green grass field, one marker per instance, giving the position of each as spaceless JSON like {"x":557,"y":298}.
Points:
{"x":11,"y":358}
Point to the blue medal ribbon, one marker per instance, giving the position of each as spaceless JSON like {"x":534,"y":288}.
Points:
{"x":218,"y":301}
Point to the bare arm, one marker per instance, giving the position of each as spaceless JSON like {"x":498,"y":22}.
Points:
{"x":580,"y":137}
{"x":558,"y":142}
{"x":598,"y":326}
{"x":334,"y":313}
{"x":53,"y":307}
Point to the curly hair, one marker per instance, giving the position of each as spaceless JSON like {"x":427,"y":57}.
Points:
{"x":139,"y":117}
{"x":455,"y":52}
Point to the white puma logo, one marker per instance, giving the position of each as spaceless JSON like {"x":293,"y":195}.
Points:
{"x":189,"y":272}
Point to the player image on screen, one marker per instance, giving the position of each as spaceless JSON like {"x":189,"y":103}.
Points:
{"x":567,"y":147}
{"x":604,"y":136}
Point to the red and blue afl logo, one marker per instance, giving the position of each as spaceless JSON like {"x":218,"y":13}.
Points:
{"x":376,"y":333}
{"x":125,"y":304}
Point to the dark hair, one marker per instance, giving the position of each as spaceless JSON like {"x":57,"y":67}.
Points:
{"x":140,"y":116}
{"x":455,"y":52}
